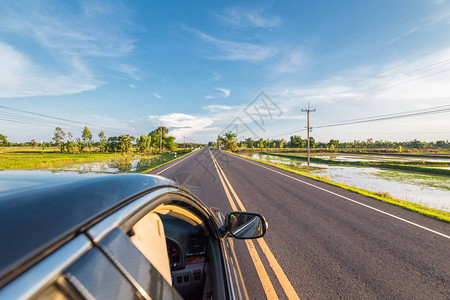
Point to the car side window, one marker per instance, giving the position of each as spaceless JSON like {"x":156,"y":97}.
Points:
{"x":118,"y":246}
{"x":95,"y":277}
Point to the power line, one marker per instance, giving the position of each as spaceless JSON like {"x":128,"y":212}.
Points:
{"x":414,"y":113}
{"x":411,"y":113}
{"x":288,"y":133}
{"x":43,"y":120}
{"x":408,"y":61}
{"x":393,"y":133}
{"x":379,"y":86}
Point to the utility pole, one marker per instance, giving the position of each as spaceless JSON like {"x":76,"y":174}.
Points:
{"x":184,"y":142}
{"x":307,"y":126}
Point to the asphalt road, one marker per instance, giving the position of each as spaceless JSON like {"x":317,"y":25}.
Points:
{"x":327,"y":242}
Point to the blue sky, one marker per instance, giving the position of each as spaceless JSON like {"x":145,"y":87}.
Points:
{"x":194,"y":66}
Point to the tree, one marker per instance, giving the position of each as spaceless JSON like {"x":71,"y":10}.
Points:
{"x":334,"y":143}
{"x":169,"y":144}
{"x":45,"y":145}
{"x":102,"y":137}
{"x":86,"y":135}
{"x":312,"y":142}
{"x":3,"y":140}
{"x":220,"y":141}
{"x":440,"y":144}
{"x":125,"y":143}
{"x":81,"y":145}
{"x":297,"y":142}
{"x":112,"y":144}
{"x":249,"y":142}
{"x":229,"y":141}
{"x":59,"y":137}
{"x":144,"y":144}
{"x":156,"y":137}
{"x":261,"y":143}
{"x":33,"y":143}
{"x":70,"y":145}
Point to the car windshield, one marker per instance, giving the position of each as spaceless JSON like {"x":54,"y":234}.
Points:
{"x":330,"y":118}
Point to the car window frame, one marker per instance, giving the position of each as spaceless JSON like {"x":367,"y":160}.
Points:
{"x":30,"y":283}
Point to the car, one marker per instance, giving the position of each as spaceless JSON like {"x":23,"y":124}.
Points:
{"x":122,"y":236}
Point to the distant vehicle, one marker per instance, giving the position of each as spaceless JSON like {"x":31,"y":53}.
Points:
{"x":128,"y":236}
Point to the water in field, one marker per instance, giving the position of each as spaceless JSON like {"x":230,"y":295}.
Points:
{"x":369,"y":157}
{"x":122,"y":165}
{"x":429,"y":190}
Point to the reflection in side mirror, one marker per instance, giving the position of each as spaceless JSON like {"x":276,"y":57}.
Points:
{"x":245,"y":225}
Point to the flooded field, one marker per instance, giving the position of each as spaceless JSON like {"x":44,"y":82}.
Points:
{"x":381,"y":158}
{"x":123,"y":165}
{"x":429,"y":190}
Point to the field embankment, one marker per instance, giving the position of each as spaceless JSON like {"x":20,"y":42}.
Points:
{"x":32,"y":158}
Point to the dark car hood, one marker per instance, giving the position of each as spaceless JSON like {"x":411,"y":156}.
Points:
{"x":38,"y":209}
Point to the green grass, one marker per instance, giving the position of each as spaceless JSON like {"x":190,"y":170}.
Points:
{"x":161,"y":162}
{"x":29,"y":159}
{"x":423,"y":180}
{"x":385,"y":197}
{"x":34,"y":158}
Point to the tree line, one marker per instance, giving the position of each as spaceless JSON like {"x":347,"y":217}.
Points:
{"x":228,"y":141}
{"x":156,"y":141}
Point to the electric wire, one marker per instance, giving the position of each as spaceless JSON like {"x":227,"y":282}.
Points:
{"x":406,"y":114}
{"x":381,"y":85}
{"x":385,"y":117}
{"x":48,"y":120}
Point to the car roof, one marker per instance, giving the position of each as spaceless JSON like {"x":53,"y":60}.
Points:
{"x":39,"y":209}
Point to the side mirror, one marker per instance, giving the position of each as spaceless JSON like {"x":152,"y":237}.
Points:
{"x":245,"y":225}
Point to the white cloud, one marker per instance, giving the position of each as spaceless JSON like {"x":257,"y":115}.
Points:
{"x":132,"y":86}
{"x":230,"y":50}
{"x":20,"y":77}
{"x":248,"y":18}
{"x":129,"y":70}
{"x":185,"y":125}
{"x":111,"y":126}
{"x":226,"y":92}
{"x":66,"y":42}
{"x":290,"y":62}
{"x":372,"y":91}
{"x":157,"y":96}
{"x":91,"y":32}
{"x":216,"y":76}
{"x":442,"y":17}
{"x":215,"y":108}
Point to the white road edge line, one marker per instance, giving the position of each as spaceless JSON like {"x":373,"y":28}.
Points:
{"x":175,"y":163}
{"x":346,"y":198}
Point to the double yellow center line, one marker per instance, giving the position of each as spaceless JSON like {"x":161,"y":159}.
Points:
{"x":260,"y":269}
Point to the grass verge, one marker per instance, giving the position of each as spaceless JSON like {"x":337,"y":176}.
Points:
{"x":385,"y":197}
{"x":31,"y":158}
{"x":164,"y":162}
